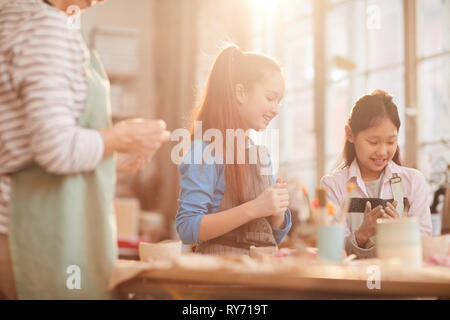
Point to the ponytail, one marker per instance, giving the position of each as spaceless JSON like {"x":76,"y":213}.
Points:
{"x":218,"y":107}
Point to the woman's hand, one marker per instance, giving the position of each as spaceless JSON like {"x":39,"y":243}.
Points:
{"x":130,"y":163}
{"x":271,"y":202}
{"x":135,"y":136}
{"x":368,"y":227}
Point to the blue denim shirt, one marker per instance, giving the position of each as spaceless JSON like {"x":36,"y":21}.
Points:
{"x":202,"y":189}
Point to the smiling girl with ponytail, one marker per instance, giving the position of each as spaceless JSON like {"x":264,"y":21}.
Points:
{"x":226,"y":208}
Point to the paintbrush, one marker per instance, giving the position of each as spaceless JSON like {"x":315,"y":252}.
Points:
{"x":331,"y":213}
{"x":322,"y":210}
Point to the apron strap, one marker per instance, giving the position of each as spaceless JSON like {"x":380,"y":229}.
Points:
{"x":397,"y":192}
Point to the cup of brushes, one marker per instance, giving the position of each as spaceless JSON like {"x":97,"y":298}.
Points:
{"x":330,"y":234}
{"x":306,"y":229}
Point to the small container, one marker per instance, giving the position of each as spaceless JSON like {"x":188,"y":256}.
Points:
{"x":151,"y":225}
{"x":330,"y":242}
{"x":399,"y":239}
{"x":164,"y":250}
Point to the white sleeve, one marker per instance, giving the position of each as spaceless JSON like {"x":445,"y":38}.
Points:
{"x":45,"y":73}
{"x":420,"y":203}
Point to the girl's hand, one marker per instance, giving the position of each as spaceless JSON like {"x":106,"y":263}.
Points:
{"x":278,"y":220}
{"x":368,"y":227}
{"x":280,"y":185}
{"x":130,"y":164}
{"x":391,"y":211}
{"x":271,"y":202}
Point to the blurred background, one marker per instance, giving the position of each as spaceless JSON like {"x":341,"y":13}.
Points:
{"x":158,"y":53}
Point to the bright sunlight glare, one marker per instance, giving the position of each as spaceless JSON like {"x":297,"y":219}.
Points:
{"x":265,"y":5}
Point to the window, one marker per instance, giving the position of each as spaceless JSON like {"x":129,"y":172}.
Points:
{"x":285,"y":31}
{"x":433,"y":50}
{"x":365,"y":51}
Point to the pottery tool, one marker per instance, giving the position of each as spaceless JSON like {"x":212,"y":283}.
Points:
{"x":322,"y":211}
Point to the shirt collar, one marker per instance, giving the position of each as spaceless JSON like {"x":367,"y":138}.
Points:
{"x":354,"y":173}
{"x":391,"y":168}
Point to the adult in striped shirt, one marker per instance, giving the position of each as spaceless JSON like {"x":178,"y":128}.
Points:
{"x":43,"y":93}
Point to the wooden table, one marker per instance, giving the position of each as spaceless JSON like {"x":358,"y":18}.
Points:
{"x":175,"y":283}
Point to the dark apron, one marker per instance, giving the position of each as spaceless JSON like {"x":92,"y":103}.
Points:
{"x":256,"y":233}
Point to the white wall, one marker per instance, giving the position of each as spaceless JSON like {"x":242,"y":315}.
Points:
{"x":134,"y":14}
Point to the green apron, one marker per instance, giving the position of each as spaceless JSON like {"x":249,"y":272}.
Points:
{"x":62,"y":227}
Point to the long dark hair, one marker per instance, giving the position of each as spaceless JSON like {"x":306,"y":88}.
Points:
{"x":218,"y":107}
{"x":365,"y":112}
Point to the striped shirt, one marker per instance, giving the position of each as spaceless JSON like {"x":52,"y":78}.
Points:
{"x":43,"y":91}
